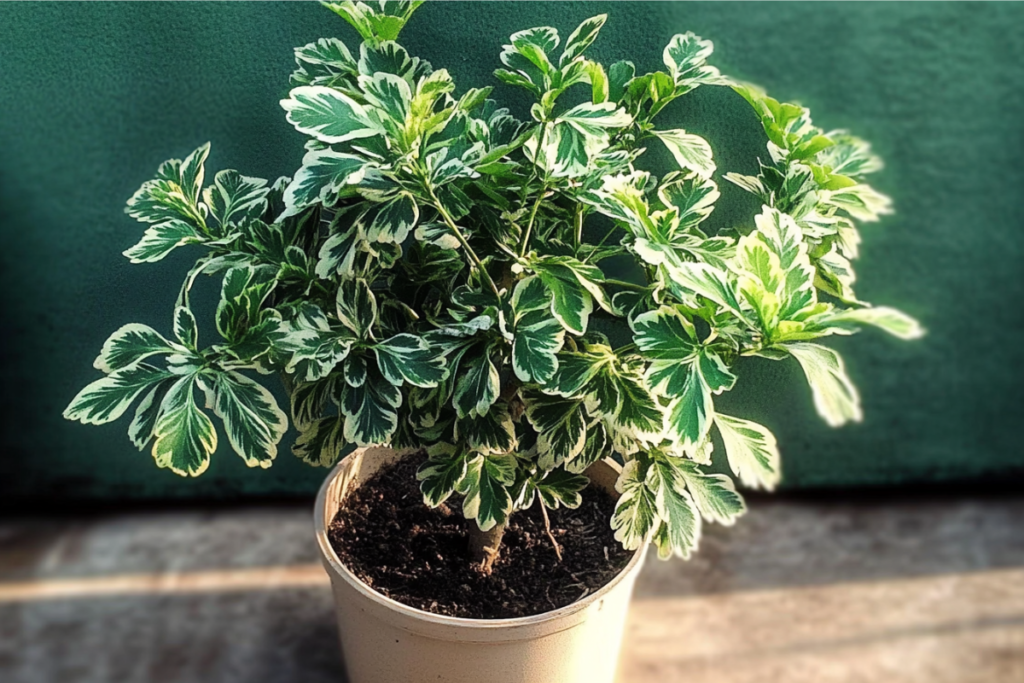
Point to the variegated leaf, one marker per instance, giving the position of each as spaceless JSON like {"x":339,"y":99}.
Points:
{"x":235,"y":198}
{"x":680,"y":529}
{"x":253,"y":422}
{"x":835,"y":397}
{"x":323,"y":174}
{"x":406,"y":358}
{"x":441,"y":473}
{"x":161,"y":239}
{"x":130,"y":344}
{"x":184,"y":435}
{"x":691,"y":152}
{"x":538,"y":336}
{"x":106,"y":399}
{"x":560,"y":487}
{"x":751,"y":451}
{"x":561,"y":428}
{"x":636,"y":511}
{"x":327,"y":114}
{"x":485,"y":487}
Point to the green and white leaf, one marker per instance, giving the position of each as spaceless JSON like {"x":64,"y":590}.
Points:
{"x":681,"y":523}
{"x":485,"y":487}
{"x":235,"y":198}
{"x":441,"y":473}
{"x":130,"y":344}
{"x":184,"y":435}
{"x":477,"y":389}
{"x":106,"y":399}
{"x":636,"y":511}
{"x":561,"y":428}
{"x":327,"y":114}
{"x":691,"y":152}
{"x":835,"y":397}
{"x":538,"y":336}
{"x":559,"y":487}
{"x":751,"y":451}
{"x":715,"y":495}
{"x":406,"y":358}
{"x":320,"y":178}
{"x":253,"y":422}
{"x":160,"y":240}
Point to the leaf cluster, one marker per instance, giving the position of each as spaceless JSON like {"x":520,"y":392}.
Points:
{"x":432,"y":276}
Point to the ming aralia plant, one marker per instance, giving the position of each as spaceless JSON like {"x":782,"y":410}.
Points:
{"x":431,"y":275}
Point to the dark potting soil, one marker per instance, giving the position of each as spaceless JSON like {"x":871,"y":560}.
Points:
{"x":418,"y":556}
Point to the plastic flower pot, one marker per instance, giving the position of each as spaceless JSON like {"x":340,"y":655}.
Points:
{"x":384,"y":641}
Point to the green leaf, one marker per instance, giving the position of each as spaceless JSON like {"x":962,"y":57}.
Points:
{"x":559,"y":487}
{"x":308,"y":400}
{"x":686,"y":56}
{"x":321,"y":442}
{"x":325,"y":62}
{"x":494,"y":432}
{"x":140,"y":431}
{"x":582,"y":38}
{"x":638,"y":417}
{"x":174,"y":193}
{"x":835,"y":397}
{"x":382,"y":23}
{"x":389,"y":97}
{"x":573,"y":287}
{"x":751,"y":451}
{"x":369,"y":409}
{"x":636,"y":511}
{"x":184,"y":435}
{"x":478,"y":388}
{"x":327,"y":115}
{"x":691,"y":152}
{"x":160,"y":240}
{"x":394,"y":221}
{"x":708,"y":281}
{"x":253,"y":422}
{"x":338,"y":254}
{"x":322,"y":175}
{"x":561,"y":428}
{"x":487,"y":499}
{"x":669,"y":341}
{"x":407,"y":358}
{"x":714,"y":494}
{"x":441,"y":473}
{"x":356,"y":307}
{"x":185,"y":329}
{"x":106,"y":399}
{"x":692,"y":195}
{"x":681,"y":521}
{"x":538,"y":337}
{"x":619,"y":75}
{"x":130,"y":344}
{"x":234,"y":198}
{"x":596,"y":447}
{"x":894,"y":322}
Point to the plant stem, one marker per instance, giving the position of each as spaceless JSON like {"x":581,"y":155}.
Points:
{"x":626,"y":285}
{"x":462,"y":240}
{"x":578,"y":218}
{"x":533,"y":214}
{"x":484,"y":546}
{"x":529,"y":225}
{"x":547,"y":528}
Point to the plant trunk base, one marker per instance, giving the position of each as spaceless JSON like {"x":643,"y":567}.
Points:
{"x":485,"y":546}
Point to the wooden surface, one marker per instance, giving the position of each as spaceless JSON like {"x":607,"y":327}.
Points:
{"x":923,"y":591}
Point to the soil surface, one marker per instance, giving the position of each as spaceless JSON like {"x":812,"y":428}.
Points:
{"x":418,"y":556}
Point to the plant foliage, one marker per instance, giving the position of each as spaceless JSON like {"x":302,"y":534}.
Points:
{"x":431,"y":274}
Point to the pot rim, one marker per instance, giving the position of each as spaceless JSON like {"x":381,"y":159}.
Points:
{"x":328,"y":554}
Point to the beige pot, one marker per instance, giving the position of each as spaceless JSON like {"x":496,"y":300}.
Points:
{"x":384,"y":641}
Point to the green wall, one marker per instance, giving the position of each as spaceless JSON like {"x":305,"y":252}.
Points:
{"x":94,"y":96}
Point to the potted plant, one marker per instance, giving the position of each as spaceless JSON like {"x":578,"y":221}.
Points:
{"x":430,"y":280}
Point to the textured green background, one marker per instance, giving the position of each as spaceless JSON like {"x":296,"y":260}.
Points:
{"x":94,"y":96}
